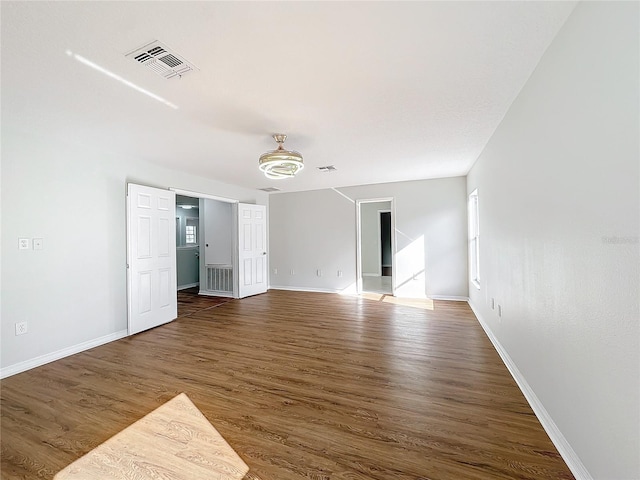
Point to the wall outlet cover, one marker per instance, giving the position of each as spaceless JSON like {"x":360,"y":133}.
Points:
{"x":21,"y":328}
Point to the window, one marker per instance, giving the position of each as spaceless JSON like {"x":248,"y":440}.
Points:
{"x":190,"y":231}
{"x":474,"y":240}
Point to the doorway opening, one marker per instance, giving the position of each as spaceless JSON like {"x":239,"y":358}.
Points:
{"x":375,"y":246}
{"x":232,"y":245}
{"x":188,"y":236}
{"x":161,"y":226}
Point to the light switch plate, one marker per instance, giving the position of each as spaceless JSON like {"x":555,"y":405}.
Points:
{"x":24,"y":243}
{"x":38,"y":243}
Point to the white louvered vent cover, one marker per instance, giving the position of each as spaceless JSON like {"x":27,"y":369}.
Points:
{"x":159,"y":58}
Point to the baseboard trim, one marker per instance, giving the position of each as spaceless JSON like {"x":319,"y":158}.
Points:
{"x":210,"y":293}
{"x":188,"y":285}
{"x":564,"y":448}
{"x":304,"y":289}
{"x":57,"y":355}
{"x":451,"y":298}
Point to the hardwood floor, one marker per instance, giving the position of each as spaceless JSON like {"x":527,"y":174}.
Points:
{"x":190,"y":302}
{"x":301,"y":385}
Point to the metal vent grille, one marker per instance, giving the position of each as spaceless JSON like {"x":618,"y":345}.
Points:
{"x":328,"y":168}
{"x":160,"y":59}
{"x":269,"y":189}
{"x":220,"y":278}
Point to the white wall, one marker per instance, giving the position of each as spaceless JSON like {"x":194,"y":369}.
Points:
{"x":559,"y":223}
{"x":316,"y":230}
{"x":73,"y":292}
{"x":310,"y":231}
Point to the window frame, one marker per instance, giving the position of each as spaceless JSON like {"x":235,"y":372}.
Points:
{"x":191,"y":223}
{"x":474,"y":238}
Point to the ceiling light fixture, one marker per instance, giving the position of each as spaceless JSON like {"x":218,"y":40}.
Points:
{"x":280,"y":163}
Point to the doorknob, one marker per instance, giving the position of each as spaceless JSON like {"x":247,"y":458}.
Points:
{"x":264,"y":253}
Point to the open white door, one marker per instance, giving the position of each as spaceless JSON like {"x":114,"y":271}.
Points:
{"x":151,"y":257}
{"x":252,"y":250}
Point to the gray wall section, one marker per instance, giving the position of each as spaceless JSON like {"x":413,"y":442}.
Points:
{"x":559,"y":223}
{"x":188,"y":266}
{"x":187,"y":261}
{"x":218,"y":232}
{"x":310,"y":231}
{"x":317,"y":230}
{"x":79,"y":277}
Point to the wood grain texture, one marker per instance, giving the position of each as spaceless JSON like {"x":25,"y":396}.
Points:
{"x":175,"y":441}
{"x":190,"y":302}
{"x":301,"y":385}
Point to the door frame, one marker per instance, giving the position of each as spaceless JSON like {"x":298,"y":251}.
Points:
{"x":392,"y":209}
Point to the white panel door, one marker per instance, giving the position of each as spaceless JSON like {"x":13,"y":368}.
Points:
{"x":252,"y":249}
{"x":151,"y":257}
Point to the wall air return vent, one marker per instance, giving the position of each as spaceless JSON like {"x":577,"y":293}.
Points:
{"x":328,"y":168}
{"x":159,"y":58}
{"x":269,"y":189}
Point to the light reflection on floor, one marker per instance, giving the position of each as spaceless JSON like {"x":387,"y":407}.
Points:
{"x":423,"y":303}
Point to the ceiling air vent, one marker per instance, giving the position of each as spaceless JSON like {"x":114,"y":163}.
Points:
{"x":269,"y":189}
{"x":159,"y":58}
{"x":328,"y":168}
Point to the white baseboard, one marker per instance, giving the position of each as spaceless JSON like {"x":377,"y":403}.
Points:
{"x":329,"y":290}
{"x":371,"y":274}
{"x":65,"y":352}
{"x":304,"y":289}
{"x":210,"y":293}
{"x":564,"y":448}
{"x":189,"y":285}
{"x":452,"y":298}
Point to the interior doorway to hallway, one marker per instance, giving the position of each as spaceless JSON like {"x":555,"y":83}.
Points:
{"x":375,"y":245}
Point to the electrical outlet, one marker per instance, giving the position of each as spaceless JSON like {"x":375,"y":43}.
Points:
{"x":339,"y":273}
{"x":319,"y":272}
{"x":292,"y":272}
{"x":21,"y":328}
{"x":24,"y":243}
{"x":275,"y":271}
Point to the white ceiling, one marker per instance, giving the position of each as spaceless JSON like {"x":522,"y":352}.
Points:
{"x":385,"y":91}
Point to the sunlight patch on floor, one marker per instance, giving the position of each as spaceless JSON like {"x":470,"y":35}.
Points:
{"x":423,"y":303}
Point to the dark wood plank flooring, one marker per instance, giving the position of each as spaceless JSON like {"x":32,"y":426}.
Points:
{"x":190,"y":302}
{"x":301,"y":385}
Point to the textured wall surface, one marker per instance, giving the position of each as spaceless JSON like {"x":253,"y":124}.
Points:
{"x":559,"y":224}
